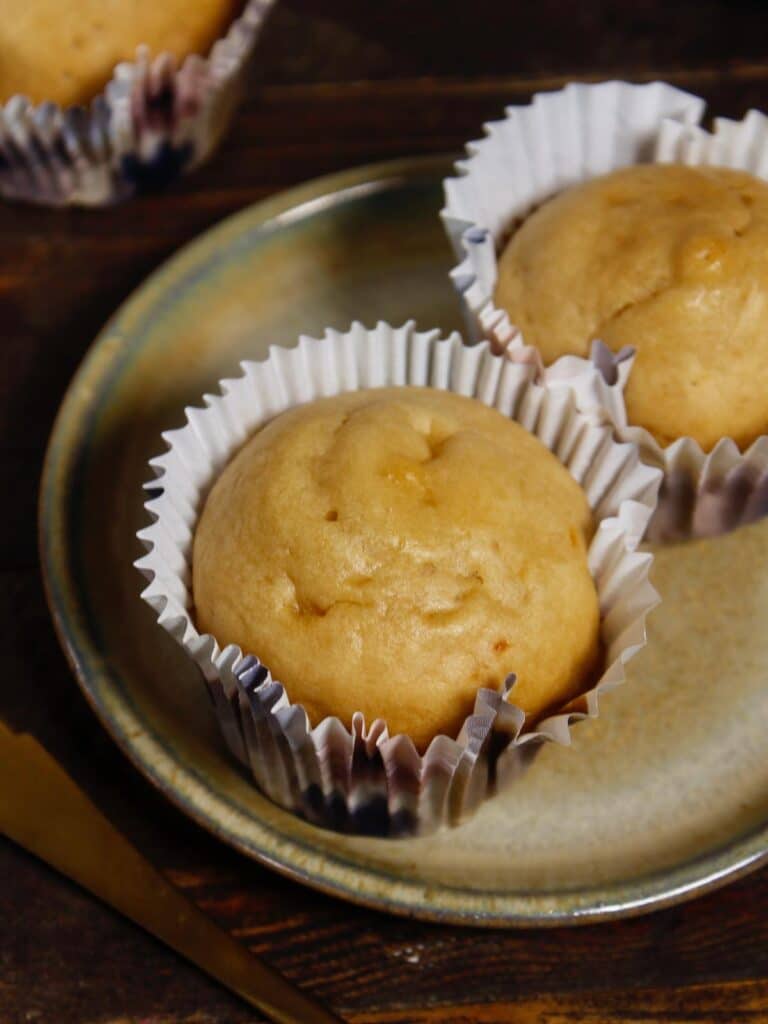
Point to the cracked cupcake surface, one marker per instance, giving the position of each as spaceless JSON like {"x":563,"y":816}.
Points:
{"x":671,"y":260}
{"x":390,"y":551}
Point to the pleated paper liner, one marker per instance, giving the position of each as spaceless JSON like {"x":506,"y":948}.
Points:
{"x":154,"y":121}
{"x":360,"y":779}
{"x":704,"y":494}
{"x":564,"y":138}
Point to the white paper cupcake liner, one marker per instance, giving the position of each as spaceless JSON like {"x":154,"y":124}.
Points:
{"x":154,"y":121}
{"x":703,"y":494}
{"x":561,"y":139}
{"x":361,"y":779}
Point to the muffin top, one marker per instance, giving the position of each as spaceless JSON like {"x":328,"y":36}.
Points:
{"x":390,"y":551}
{"x":66,"y":50}
{"x":671,"y":260}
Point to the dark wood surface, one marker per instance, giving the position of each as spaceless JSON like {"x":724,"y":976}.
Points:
{"x":336,"y":84}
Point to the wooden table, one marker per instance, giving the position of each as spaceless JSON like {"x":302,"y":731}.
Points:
{"x":336,"y":84}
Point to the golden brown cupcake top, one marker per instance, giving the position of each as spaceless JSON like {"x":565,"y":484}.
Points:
{"x":66,"y":50}
{"x":390,"y":551}
{"x":671,"y":260}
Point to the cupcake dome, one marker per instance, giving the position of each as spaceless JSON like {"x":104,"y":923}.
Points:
{"x":66,"y":52}
{"x":670,"y":260}
{"x":392,"y":551}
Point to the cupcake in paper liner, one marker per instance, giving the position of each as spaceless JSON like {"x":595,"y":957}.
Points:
{"x":80,"y":124}
{"x":360,"y":541}
{"x":606,"y":212}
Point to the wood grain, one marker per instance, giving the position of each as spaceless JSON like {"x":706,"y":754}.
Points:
{"x":335,"y":85}
{"x":731,"y":1002}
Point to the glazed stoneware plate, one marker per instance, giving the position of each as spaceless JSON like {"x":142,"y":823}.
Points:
{"x":664,"y":796}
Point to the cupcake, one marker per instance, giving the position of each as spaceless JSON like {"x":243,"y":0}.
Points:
{"x":662,"y":259}
{"x":393,"y":557}
{"x":99,"y":101}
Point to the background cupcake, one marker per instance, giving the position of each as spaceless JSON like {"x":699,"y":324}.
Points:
{"x":99,"y":104}
{"x":352,"y":774}
{"x":572,"y":231}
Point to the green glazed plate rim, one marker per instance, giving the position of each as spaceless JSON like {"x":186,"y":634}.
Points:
{"x":290,"y":855}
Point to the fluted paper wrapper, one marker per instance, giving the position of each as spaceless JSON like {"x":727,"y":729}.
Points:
{"x":154,"y":121}
{"x":703,"y":494}
{"x":564,"y":138}
{"x":361,"y":779}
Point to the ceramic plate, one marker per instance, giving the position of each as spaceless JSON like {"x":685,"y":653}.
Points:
{"x":663,"y":797}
